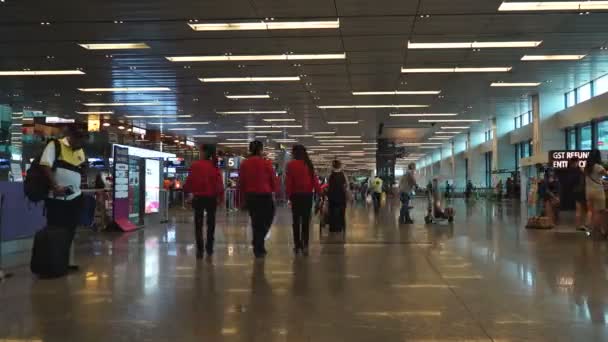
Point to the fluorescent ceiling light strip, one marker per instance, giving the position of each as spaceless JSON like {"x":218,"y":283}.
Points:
{"x":455,"y":70}
{"x":125,"y":89}
{"x":205,"y":136}
{"x":400,"y":92}
{"x":96,"y":113}
{"x":552,"y":57}
{"x":322,"y":133}
{"x":118,"y":104}
{"x":449,"y":120}
{"x":245,"y":112}
{"x":429,"y":147}
{"x":245,"y":132}
{"x":342,"y":122}
{"x":346,"y":143}
{"x":249,"y":79}
{"x":278,"y":120}
{"x":440,"y":138}
{"x":474,"y":45}
{"x":447,"y":132}
{"x":455,"y":127}
{"x":554,"y":6}
{"x":419,"y":144}
{"x":371,"y":106}
{"x":515,"y":84}
{"x":233,"y":58}
{"x":41,"y":72}
{"x":341,"y":137}
{"x":285,"y":140}
{"x":301,"y":135}
{"x":168,"y":116}
{"x":180,"y":123}
{"x":182,"y":129}
{"x":115,"y":46}
{"x":233,"y":144}
{"x":422,"y":114}
{"x":266,"y":25}
{"x":237,"y":139}
{"x":236,"y":97}
{"x":273,"y":126}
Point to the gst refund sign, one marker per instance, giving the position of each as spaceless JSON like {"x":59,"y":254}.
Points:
{"x":560,"y":159}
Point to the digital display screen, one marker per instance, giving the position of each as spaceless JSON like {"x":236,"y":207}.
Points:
{"x":152,"y":200}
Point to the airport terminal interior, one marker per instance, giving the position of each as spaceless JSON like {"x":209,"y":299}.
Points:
{"x":491,"y":112}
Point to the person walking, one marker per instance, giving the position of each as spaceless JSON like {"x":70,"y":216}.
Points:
{"x":594,"y":191}
{"x":257,"y":183}
{"x":337,"y":193}
{"x":407,"y":184}
{"x":377,"y":192}
{"x":63,"y":161}
{"x":300,"y":183}
{"x":575,"y":180}
{"x":205,"y":184}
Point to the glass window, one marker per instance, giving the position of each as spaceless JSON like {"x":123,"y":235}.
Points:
{"x":585,"y":142}
{"x":525,"y":119}
{"x":571,"y":137}
{"x":516,"y":120}
{"x":600,"y":85}
{"x":602,"y":135}
{"x":583,"y":93}
{"x":570,"y":99}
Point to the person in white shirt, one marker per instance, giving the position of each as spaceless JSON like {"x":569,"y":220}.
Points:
{"x":406,"y":185}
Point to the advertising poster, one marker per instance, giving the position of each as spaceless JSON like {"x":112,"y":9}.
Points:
{"x":121,"y":189}
{"x":152,"y":183}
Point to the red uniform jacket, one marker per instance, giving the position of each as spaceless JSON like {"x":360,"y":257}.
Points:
{"x":299,"y":180}
{"x":204,"y":179}
{"x":257,"y":176}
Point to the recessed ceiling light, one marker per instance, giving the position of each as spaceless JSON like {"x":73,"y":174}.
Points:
{"x":115,"y":46}
{"x":106,"y":124}
{"x":554,"y":6}
{"x":370,"y":106}
{"x":236,"y":97}
{"x":278,"y":120}
{"x":449,"y":120}
{"x":236,"y":58}
{"x":266,"y":25}
{"x":552,"y":57}
{"x":456,"y":70}
{"x":121,"y":127}
{"x":399,"y":92}
{"x":249,"y":79}
{"x":41,"y":72}
{"x":119,"y":104}
{"x":422,"y":114}
{"x":243,"y":112}
{"x":342,"y":122}
{"x":96,"y":113}
{"x":474,"y":45}
{"x":124,"y":89}
{"x":515,"y":84}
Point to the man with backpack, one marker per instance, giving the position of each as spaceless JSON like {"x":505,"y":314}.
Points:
{"x":61,"y":163}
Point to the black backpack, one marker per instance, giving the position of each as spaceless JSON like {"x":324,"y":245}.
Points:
{"x":37,"y":185}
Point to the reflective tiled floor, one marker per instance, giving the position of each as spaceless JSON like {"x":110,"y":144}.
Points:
{"x":485,"y":278}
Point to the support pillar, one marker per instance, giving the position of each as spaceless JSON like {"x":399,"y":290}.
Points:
{"x":386,"y":156}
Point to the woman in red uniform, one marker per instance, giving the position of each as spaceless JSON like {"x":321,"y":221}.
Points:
{"x":205,"y":183}
{"x":257,"y":183}
{"x":300,"y":183}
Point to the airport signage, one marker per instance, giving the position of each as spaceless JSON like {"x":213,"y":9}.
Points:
{"x":560,"y":159}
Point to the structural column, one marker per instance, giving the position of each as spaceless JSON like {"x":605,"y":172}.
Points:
{"x":386,"y":156}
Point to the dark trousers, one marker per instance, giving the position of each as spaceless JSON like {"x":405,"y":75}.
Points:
{"x":404,"y":214}
{"x":202,"y":205}
{"x":337,"y":222}
{"x":261,"y":210}
{"x":64,"y":215}
{"x":301,"y":208}
{"x":377,"y":198}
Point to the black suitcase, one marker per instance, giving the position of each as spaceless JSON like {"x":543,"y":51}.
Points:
{"x":50,"y":253}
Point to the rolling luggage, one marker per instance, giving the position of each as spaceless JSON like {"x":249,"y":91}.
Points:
{"x":50,"y":253}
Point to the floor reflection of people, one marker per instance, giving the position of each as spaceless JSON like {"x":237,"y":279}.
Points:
{"x":260,"y":313}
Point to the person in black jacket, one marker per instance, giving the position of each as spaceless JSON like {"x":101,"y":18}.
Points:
{"x":336,"y":193}
{"x":575,"y":180}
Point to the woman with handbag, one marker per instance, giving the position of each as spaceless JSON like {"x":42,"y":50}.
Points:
{"x":594,"y":191}
{"x":300,"y":183}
